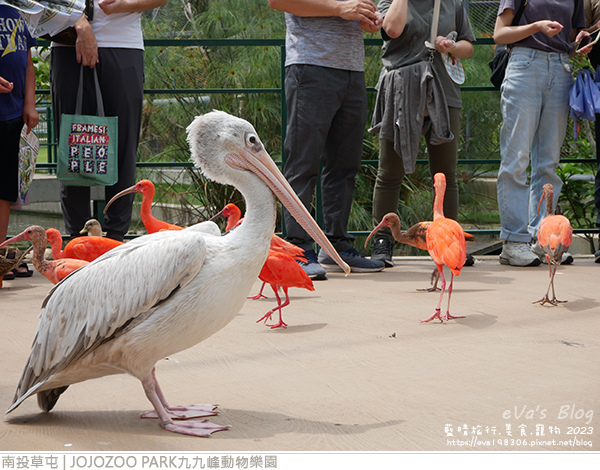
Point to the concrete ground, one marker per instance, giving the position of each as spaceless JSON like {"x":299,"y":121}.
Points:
{"x":354,"y":371}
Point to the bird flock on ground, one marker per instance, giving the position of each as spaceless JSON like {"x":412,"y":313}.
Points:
{"x":87,"y":333}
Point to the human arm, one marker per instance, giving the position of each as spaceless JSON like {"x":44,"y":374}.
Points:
{"x":129,"y":6}
{"x":362,"y":10}
{"x":30,"y":114}
{"x":505,"y":33}
{"x":394,"y":20}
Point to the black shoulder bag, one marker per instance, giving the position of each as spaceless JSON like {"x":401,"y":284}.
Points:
{"x":500,"y":61}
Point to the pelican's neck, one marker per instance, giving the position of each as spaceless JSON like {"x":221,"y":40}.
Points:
{"x":261,"y":211}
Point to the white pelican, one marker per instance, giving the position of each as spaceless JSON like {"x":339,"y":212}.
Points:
{"x":165,"y":292}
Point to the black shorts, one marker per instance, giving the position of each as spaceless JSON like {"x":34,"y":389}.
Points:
{"x":10,"y":136}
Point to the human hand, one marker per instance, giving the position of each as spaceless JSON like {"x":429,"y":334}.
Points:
{"x":369,"y":27}
{"x":111,"y":6}
{"x":86,"y":47}
{"x":443,"y":45}
{"x":550,"y":28}
{"x":5,"y":85}
{"x":583,"y":37}
{"x":363,"y":10}
{"x":30,"y":117}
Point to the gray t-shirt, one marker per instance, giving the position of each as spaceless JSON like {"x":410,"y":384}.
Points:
{"x":569,"y":13}
{"x":327,"y":41}
{"x":409,"y":48}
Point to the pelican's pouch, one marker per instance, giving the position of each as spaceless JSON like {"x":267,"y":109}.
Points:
{"x":88,"y":145}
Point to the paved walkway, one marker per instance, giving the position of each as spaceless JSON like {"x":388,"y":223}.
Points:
{"x":354,"y":371}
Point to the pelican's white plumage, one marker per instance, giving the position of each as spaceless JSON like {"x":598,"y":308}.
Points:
{"x":165,"y":292}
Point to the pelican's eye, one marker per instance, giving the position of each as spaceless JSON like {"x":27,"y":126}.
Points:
{"x":253,"y":141}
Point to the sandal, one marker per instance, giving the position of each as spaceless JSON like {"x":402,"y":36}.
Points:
{"x":9,"y":276}
{"x":26,"y":273}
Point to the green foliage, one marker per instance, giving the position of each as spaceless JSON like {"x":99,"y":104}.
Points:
{"x":576,"y":200}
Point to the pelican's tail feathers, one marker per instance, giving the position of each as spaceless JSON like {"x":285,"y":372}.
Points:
{"x":20,"y":398}
{"x":48,"y":398}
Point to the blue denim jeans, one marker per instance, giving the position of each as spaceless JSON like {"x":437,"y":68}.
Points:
{"x":535,"y":108}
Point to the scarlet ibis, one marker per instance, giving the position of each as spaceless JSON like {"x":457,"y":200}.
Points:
{"x":281,"y":271}
{"x":232,"y":213}
{"x":278,"y":245}
{"x":446,"y":245}
{"x":165,"y":292}
{"x":54,"y":271}
{"x":86,"y":248}
{"x":151,"y":223}
{"x":234,"y":216}
{"x":415,"y":236}
{"x":555,"y":235}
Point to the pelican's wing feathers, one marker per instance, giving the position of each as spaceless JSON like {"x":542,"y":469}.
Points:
{"x":101,"y":299}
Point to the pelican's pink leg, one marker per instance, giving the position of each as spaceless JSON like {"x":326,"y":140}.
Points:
{"x":438,"y":308}
{"x":259,"y":295}
{"x":202,"y":428}
{"x":178,"y":412}
{"x":448,"y":316}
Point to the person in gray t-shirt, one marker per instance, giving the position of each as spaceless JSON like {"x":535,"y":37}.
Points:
{"x":326,"y":117}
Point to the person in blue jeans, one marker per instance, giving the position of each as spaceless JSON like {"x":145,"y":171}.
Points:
{"x":326,"y":117}
{"x":535,"y":109}
{"x":17,"y":107}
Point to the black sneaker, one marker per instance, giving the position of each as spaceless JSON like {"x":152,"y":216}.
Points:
{"x":356,"y":260}
{"x":470,"y":261}
{"x":312,"y":267}
{"x":597,"y":256}
{"x":383,"y":249}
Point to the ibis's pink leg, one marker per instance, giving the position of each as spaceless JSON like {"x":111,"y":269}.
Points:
{"x":438,"y":308}
{"x":267,"y":316}
{"x":435,"y":276}
{"x":448,"y":316}
{"x":546,"y":299}
{"x":280,"y":305}
{"x":176,"y":412}
{"x":555,"y":300}
{"x":260,"y":294}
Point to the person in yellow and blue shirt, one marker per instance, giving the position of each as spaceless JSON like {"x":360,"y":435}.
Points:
{"x":17,"y":105}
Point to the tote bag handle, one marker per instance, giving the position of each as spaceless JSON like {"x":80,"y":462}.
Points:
{"x":79,"y":102}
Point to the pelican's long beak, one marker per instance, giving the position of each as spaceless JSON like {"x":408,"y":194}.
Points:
{"x":260,"y":163}
{"x":375,"y":230}
{"x":132,"y":189}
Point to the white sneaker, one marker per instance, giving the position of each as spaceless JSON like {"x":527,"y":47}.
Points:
{"x":566,"y":258}
{"x":518,"y":254}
